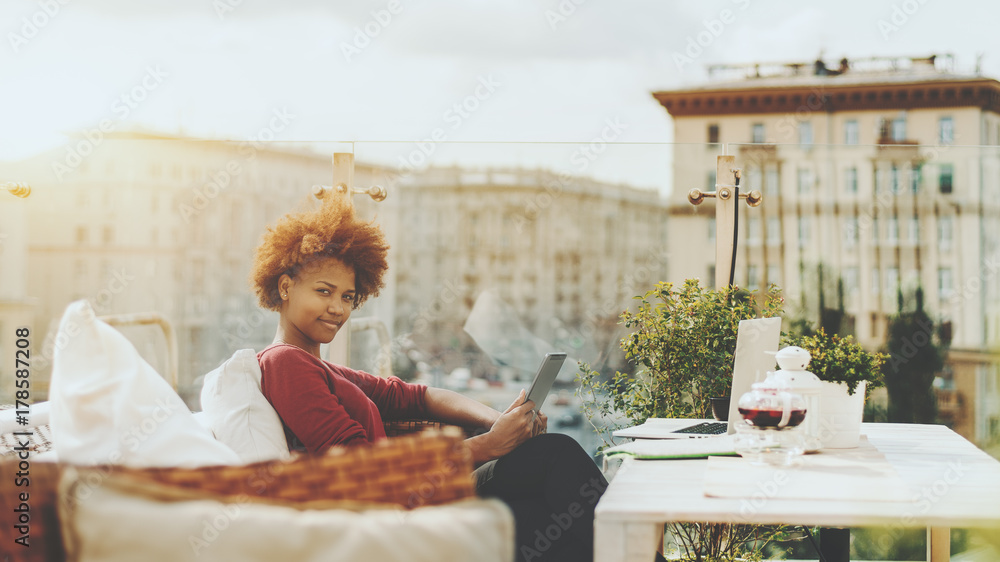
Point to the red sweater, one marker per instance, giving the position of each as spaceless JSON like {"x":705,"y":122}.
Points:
{"x":321,"y":404}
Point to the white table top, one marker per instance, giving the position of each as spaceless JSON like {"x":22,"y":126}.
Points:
{"x":953,"y":484}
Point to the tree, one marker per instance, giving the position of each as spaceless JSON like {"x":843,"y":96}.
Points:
{"x":916,"y":355}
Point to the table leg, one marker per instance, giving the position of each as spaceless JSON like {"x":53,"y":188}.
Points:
{"x":835,"y":544}
{"x":938,"y":544}
{"x":619,"y":541}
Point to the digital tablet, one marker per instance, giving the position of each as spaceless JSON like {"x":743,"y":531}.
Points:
{"x":546,"y":375}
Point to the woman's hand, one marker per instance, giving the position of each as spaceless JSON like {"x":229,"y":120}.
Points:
{"x":514,"y":426}
{"x":541,"y":424}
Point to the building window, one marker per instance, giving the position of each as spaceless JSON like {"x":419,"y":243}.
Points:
{"x":757,"y":133}
{"x":875,"y":232}
{"x":771,"y":185}
{"x":773,"y":231}
{"x":753,"y":231}
{"x":946,"y":130}
{"x":945,"y":178}
{"x":891,"y":281}
{"x":805,"y":133}
{"x":711,"y":230}
{"x":945,"y":287}
{"x":805,"y":180}
{"x":914,"y":231}
{"x":894,"y":179}
{"x":915,"y":178}
{"x":710,"y":181}
{"x":756,"y":179}
{"x":851,"y":132}
{"x":805,"y":230}
{"x":753,"y":278}
{"x":892,"y":231}
{"x":876,"y":281}
{"x":851,"y":232}
{"x":81,"y":235}
{"x":879,"y":179}
{"x":773,"y":275}
{"x":713,"y":133}
{"x":850,"y":280}
{"x":851,"y":180}
{"x":899,"y":128}
{"x":945,"y":225}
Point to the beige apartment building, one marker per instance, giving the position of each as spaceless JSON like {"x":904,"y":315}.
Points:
{"x":160,"y":223}
{"x":151,"y":222}
{"x":886,"y":172}
{"x":566,"y":253}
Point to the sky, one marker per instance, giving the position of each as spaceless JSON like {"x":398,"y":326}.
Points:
{"x":519,"y":82}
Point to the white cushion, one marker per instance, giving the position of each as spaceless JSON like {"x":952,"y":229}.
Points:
{"x":109,"y":406}
{"x":111,"y":524}
{"x":238,"y":413}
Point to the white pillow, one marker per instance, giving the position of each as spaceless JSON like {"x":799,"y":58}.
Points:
{"x":114,"y":525}
{"x":238,"y":413}
{"x":110,"y":407}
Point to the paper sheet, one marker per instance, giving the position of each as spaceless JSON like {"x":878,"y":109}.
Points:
{"x":861,"y":474}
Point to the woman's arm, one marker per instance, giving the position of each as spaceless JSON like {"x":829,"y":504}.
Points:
{"x":451,"y":407}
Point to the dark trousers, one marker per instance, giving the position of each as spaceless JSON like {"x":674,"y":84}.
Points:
{"x":552,"y":486}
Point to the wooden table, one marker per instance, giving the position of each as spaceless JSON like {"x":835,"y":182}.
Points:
{"x":954,"y":484}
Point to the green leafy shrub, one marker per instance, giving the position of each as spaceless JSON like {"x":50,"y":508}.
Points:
{"x":682,"y":342}
{"x":837,"y":359}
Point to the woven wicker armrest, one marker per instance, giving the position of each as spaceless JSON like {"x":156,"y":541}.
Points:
{"x":396,"y":428}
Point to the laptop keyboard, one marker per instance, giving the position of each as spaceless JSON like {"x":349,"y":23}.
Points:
{"x":706,"y":428}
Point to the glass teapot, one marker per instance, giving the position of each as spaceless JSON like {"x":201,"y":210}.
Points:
{"x":770,"y":405}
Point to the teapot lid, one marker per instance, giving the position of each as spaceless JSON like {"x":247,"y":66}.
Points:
{"x":792,"y":358}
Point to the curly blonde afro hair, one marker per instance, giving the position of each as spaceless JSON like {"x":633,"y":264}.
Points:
{"x":331,"y":231}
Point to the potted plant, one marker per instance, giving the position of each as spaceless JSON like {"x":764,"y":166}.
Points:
{"x":682,"y":342}
{"x":849,"y":374}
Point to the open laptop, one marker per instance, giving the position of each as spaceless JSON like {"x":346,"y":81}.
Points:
{"x":754,"y":338}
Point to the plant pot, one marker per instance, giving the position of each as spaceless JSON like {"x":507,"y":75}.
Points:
{"x":720,"y":408}
{"x":840,"y":415}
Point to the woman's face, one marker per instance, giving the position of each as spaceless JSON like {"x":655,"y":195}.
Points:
{"x":317,"y":302}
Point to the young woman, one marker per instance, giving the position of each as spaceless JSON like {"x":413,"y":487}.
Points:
{"x":314,"y":267}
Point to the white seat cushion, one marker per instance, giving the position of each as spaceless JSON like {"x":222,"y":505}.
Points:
{"x":118,"y":524}
{"x":238,"y":413}
{"x":109,"y":406}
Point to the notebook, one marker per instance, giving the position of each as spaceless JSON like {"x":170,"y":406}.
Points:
{"x":754,"y":338}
